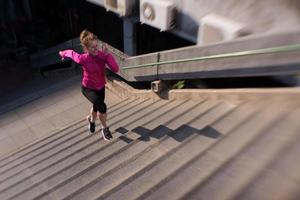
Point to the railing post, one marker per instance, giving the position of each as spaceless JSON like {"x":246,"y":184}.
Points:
{"x":157,"y":66}
{"x":158,"y":86}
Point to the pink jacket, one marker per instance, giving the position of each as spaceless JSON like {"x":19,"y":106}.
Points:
{"x":93,"y":67}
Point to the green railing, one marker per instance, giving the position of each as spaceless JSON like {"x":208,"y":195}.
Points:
{"x":279,"y":49}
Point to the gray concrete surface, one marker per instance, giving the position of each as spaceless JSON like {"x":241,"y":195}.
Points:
{"x":269,"y":64}
{"x":188,"y":146}
{"x":41,"y":108}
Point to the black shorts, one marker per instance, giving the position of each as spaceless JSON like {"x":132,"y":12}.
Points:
{"x":96,"y":97}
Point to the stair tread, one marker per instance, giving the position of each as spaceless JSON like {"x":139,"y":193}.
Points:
{"x":206,"y":164}
{"x":41,"y":152}
{"x":169,"y":106}
{"x":173,"y":140}
{"x":152,"y":176}
{"x":40,"y":143}
{"x":161,"y":149}
{"x":238,"y":172}
{"x":279,"y":179}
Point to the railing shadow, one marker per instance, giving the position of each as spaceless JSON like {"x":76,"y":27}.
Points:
{"x":180,"y":134}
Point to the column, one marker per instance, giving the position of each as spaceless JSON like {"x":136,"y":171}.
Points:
{"x":129,"y":34}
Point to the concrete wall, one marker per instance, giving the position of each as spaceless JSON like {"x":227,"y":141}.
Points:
{"x":140,"y":74}
{"x":251,"y":65}
{"x":259,"y":15}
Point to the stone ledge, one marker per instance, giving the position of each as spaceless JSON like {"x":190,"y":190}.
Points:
{"x":235,"y":95}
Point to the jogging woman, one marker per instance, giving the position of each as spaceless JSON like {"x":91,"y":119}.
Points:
{"x":93,"y":63}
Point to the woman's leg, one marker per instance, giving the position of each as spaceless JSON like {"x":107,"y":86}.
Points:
{"x":93,"y":114}
{"x":103,"y":117}
{"x":92,"y":96}
{"x":97,"y":98}
{"x":101,"y":106}
{"x":105,"y":130}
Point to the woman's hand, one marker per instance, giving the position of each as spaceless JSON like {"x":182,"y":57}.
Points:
{"x":102,"y":46}
{"x":61,"y":53}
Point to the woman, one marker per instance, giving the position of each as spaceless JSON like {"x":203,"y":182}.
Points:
{"x":93,"y":63}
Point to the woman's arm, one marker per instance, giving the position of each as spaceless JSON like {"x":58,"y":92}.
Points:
{"x":111,"y":62}
{"x":76,"y":57}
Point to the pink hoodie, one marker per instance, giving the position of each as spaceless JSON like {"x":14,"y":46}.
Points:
{"x":93,"y":67}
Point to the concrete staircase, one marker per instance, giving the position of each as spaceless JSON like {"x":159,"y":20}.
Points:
{"x":166,"y":149}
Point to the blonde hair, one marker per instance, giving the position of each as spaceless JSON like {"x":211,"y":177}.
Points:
{"x":86,"y":37}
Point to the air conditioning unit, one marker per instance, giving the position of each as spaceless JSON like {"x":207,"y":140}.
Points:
{"x":121,"y":7}
{"x":160,"y":14}
{"x":215,"y":28}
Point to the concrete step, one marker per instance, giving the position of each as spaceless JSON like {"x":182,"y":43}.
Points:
{"x":38,"y":166}
{"x":93,"y":162}
{"x":236,"y":173}
{"x":153,"y":174}
{"x":92,"y":159}
{"x":207,"y":163}
{"x":42,"y":150}
{"x":181,"y":136}
{"x":30,"y":149}
{"x":165,"y":149}
{"x":279,"y":179}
